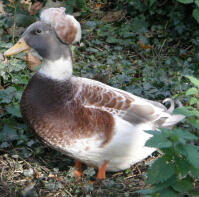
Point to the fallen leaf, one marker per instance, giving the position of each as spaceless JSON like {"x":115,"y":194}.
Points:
{"x":5,"y":61}
{"x":2,"y":11}
{"x":27,"y":3}
{"x":35,"y":7}
{"x":114,"y":16}
{"x":98,"y":5}
{"x":18,"y":31}
{"x":145,"y":46}
{"x":32,"y":61}
{"x":1,"y":56}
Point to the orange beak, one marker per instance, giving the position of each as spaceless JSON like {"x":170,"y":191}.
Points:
{"x":20,"y":46}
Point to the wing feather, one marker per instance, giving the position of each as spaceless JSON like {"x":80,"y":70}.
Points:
{"x":129,"y":107}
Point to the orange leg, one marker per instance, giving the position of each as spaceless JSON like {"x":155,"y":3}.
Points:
{"x":78,"y":172}
{"x":102,"y":171}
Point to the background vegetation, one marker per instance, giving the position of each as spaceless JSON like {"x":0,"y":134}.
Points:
{"x":147,"y":47}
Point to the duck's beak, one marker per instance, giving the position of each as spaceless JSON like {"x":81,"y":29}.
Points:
{"x":20,"y":46}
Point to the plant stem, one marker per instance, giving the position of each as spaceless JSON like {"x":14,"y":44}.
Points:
{"x":14,"y":25}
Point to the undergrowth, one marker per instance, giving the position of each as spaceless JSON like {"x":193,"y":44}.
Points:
{"x":148,"y":52}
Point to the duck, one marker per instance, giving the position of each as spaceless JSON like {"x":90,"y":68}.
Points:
{"x":94,"y":123}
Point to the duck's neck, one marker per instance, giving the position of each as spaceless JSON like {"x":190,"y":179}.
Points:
{"x":60,"y":69}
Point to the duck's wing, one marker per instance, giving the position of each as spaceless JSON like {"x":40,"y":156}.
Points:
{"x":134,"y":109}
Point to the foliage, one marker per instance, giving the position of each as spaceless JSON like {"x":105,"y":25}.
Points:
{"x":147,"y":53}
{"x":195,"y":12}
{"x":176,"y":172}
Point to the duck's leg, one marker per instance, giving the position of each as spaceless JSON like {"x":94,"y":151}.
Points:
{"x":78,"y":172}
{"x":102,"y":171}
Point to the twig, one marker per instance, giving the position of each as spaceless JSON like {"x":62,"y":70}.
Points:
{"x":68,"y":193}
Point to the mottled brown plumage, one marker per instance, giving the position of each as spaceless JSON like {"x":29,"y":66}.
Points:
{"x":50,"y":109}
{"x":94,"y":123}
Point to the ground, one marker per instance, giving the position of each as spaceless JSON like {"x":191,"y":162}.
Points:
{"x":147,"y":50}
{"x":51,"y":174}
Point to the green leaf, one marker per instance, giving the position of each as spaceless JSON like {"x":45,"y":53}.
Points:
{"x":168,"y":193}
{"x":192,"y":155}
{"x":160,"y":171}
{"x":187,"y":111}
{"x":194,"y":122}
{"x":158,"y":141}
{"x":195,"y":14}
{"x":14,"y":110}
{"x":192,"y":91}
{"x":165,"y":184}
{"x":196,"y":2}
{"x":193,"y":79}
{"x":8,"y":133}
{"x":194,"y":172}
{"x":151,"y":2}
{"x":183,"y":166}
{"x":112,"y":39}
{"x":139,"y":24}
{"x":183,"y":185}
{"x":185,"y":1}
{"x":184,"y":134}
{"x":7,"y":95}
{"x":193,"y":101}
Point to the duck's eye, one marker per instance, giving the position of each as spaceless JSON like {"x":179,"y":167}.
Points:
{"x":37,"y":31}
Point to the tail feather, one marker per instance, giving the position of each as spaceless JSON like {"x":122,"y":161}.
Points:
{"x":172,"y":120}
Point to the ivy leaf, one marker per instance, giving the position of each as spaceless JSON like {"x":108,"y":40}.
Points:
{"x":14,"y":110}
{"x":160,"y":171}
{"x":195,"y":14}
{"x":183,"y":185}
{"x":151,"y":2}
{"x":7,"y":95}
{"x":192,"y":155}
{"x":197,"y":2}
{"x":191,"y":91}
{"x":193,"y":79}
{"x":8,"y":133}
{"x":185,"y":1}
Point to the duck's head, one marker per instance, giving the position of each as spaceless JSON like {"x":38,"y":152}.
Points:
{"x":42,"y":38}
{"x":51,"y":38}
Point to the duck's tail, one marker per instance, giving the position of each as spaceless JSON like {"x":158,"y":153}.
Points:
{"x":172,"y":119}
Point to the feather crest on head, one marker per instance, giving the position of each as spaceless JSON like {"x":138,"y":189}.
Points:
{"x":67,"y":27}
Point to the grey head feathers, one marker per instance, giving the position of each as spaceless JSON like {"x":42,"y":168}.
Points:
{"x":43,"y":38}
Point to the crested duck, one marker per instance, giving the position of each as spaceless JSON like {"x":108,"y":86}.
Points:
{"x":94,"y":123}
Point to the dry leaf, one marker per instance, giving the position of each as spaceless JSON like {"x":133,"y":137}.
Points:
{"x":32,"y":61}
{"x":1,"y":56}
{"x":18,"y":31}
{"x":114,"y":16}
{"x":98,"y":5}
{"x":54,"y":4}
{"x":35,"y":7}
{"x":145,"y":46}
{"x":2,"y":11}
{"x":27,"y":3}
{"x":12,"y":1}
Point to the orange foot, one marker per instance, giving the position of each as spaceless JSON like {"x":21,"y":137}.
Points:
{"x":102,"y":171}
{"x":78,"y":172}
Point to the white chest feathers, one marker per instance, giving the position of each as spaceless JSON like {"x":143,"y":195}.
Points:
{"x":60,"y":69}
